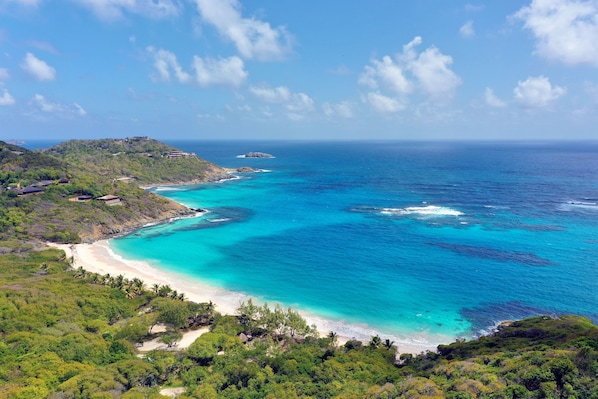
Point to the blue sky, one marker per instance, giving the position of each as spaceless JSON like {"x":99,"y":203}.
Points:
{"x":239,"y":69}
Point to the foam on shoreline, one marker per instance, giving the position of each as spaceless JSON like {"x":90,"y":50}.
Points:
{"x":99,"y":258}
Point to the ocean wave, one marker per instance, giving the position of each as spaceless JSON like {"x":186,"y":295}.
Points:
{"x":429,"y":211}
{"x":218,"y":220}
{"x":587,"y":204}
{"x":167,"y":188}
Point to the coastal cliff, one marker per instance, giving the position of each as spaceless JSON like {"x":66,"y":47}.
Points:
{"x":85,"y":190}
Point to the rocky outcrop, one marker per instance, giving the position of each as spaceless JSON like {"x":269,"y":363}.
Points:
{"x":258,"y":155}
{"x":245,"y":169}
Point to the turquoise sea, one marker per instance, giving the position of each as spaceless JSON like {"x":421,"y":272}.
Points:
{"x":428,"y":240}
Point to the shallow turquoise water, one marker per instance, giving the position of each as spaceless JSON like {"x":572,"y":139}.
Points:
{"x":441,"y":239}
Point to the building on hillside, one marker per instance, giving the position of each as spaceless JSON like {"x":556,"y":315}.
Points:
{"x":81,"y":198}
{"x":44,"y":183}
{"x":110,"y":200}
{"x":30,"y":190}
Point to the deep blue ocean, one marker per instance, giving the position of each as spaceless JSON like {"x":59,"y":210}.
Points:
{"x":441,"y":240}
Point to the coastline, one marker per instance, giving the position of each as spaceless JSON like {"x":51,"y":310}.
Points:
{"x":98,"y":257}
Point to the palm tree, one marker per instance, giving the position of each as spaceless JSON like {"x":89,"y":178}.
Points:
{"x":138,"y":286}
{"x":388,"y":344}
{"x":164,"y":290}
{"x":181,"y":296}
{"x":155,"y":288}
{"x":210,"y":307}
{"x":375,"y":342}
{"x":173,"y":294}
{"x":333,"y":338}
{"x":119,"y":282}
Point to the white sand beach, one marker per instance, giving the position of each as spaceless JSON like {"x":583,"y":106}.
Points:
{"x":98,"y":257}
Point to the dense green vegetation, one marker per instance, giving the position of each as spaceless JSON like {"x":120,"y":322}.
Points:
{"x":91,"y":168}
{"x":71,"y":334}
{"x":146,"y":160}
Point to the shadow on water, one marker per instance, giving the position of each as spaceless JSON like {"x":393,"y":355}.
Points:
{"x":526,"y":258}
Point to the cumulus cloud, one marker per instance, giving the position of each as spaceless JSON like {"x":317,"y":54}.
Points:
{"x":110,"y":10}
{"x":565,"y":30}
{"x":537,"y":92}
{"x":37,"y":68}
{"x":492,"y":100}
{"x":384,"y":104}
{"x":64,"y":110}
{"x":165,"y":62}
{"x":6,"y":98}
{"x":343,"y":109}
{"x":391,"y":79}
{"x":431,"y":68}
{"x":222,"y":71}
{"x":276,"y":95}
{"x":297,"y":105}
{"x":207,"y":71}
{"x":467,"y":30}
{"x":253,"y":38}
{"x":386,"y":73}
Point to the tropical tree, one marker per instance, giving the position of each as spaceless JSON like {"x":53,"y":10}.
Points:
{"x":375,"y":342}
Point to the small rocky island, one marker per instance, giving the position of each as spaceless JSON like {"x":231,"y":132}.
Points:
{"x":255,"y":154}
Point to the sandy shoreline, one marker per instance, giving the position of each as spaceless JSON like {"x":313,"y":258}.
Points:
{"x":98,"y":257}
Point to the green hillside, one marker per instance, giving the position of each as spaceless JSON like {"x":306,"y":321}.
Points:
{"x":69,"y":334}
{"x":52,"y":195}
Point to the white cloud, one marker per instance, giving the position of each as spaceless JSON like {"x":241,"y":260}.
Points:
{"x":252,"y":37}
{"x":427,"y":72}
{"x":537,"y":92}
{"x":385,"y":73}
{"x":164,"y":62}
{"x":300,"y":103}
{"x":208,"y":72}
{"x":342,"y":109}
{"x":432,"y":70}
{"x":110,"y":10}
{"x":384,"y":104}
{"x":467,"y":30}
{"x":278,"y":94}
{"x":57,"y":108}
{"x":223,"y":71}
{"x":80,"y":109}
{"x":6,"y":98}
{"x":492,"y":100}
{"x":46,"y":105}
{"x":565,"y":30}
{"x":297,"y":105}
{"x":4,"y":74}
{"x":37,"y":68}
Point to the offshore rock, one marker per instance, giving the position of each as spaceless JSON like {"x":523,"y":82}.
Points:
{"x":258,"y":155}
